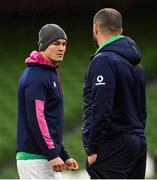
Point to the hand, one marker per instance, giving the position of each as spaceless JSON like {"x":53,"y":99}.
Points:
{"x":91,"y":159}
{"x":57,"y":164}
{"x":71,"y":164}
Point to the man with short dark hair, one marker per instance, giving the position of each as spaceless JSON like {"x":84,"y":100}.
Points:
{"x":40,"y":150}
{"x":114,"y":112}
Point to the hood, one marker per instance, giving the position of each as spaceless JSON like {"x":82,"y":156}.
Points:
{"x":37,"y":58}
{"x":125,"y":47}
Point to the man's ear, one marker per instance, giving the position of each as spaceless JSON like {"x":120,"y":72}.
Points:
{"x":95,"y":29}
{"x":121,"y":31}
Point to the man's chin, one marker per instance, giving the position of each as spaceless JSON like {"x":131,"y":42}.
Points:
{"x":59,"y":60}
{"x":56,"y":61}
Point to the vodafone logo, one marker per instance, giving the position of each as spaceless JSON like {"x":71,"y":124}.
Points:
{"x":100,"y":79}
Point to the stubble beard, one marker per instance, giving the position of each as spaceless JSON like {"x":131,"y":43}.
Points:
{"x":95,"y":42}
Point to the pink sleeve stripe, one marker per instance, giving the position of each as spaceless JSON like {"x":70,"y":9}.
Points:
{"x":39,"y":105}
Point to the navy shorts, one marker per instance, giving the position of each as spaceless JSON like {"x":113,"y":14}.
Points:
{"x":123,"y":157}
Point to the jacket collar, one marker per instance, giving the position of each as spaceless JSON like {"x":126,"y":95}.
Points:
{"x":108,"y":42}
{"x":36,"y":57}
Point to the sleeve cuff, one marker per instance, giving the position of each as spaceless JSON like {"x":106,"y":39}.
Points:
{"x":52,"y":154}
{"x":64,"y":154}
{"x":65,"y":157}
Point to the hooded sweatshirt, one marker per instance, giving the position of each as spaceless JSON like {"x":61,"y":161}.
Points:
{"x":114,"y":93}
{"x":40,"y":109}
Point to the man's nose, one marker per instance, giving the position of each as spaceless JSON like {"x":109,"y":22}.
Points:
{"x":61,"y":47}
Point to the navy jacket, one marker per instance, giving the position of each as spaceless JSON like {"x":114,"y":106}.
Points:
{"x":114,"y":94}
{"x":40,"y":109}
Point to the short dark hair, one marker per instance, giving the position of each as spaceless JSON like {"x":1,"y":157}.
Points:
{"x":109,"y":19}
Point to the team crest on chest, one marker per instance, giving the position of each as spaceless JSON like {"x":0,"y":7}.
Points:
{"x":54,"y":84}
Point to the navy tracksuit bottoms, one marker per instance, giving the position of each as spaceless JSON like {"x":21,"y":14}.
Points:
{"x":123,"y":157}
